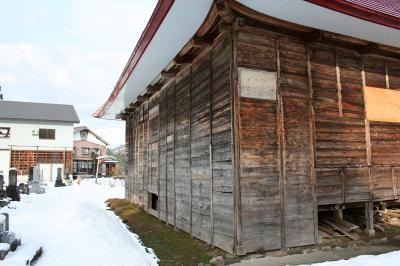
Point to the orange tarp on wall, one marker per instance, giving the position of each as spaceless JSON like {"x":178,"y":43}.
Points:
{"x":382,"y":104}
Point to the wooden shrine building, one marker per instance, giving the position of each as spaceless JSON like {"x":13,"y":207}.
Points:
{"x":245,"y":118}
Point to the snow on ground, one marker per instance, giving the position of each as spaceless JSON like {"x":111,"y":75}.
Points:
{"x":388,"y":259}
{"x":74,"y":228}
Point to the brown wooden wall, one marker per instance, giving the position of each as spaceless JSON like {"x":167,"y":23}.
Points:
{"x":277,"y":204}
{"x":356,"y":159}
{"x":313,"y":145}
{"x":250,"y":173}
{"x":180,"y":148}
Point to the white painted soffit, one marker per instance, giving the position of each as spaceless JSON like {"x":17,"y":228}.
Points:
{"x":186,"y":16}
{"x":311,"y":15}
{"x":178,"y":27}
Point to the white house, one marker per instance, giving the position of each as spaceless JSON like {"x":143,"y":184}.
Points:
{"x":36,"y":134}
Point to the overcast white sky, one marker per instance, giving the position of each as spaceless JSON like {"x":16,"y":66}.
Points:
{"x":70,"y":52}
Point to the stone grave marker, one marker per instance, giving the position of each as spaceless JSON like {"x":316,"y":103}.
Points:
{"x":12,"y":188}
{"x":36,"y":183}
{"x":59,"y":182}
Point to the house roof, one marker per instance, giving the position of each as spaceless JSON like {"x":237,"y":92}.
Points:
{"x":174,"y":23}
{"x":384,"y":12}
{"x":46,"y":112}
{"x":80,"y":128}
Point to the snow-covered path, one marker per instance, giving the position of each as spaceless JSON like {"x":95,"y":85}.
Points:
{"x":74,"y":228}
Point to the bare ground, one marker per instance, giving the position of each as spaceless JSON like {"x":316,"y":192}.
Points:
{"x":334,"y":254}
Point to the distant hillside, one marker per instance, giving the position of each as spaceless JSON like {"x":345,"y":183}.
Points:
{"x":118,"y":150}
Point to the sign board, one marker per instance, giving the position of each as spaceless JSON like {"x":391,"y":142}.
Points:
{"x":257,"y":84}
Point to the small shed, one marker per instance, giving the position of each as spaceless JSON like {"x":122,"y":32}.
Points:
{"x":244,"y":119}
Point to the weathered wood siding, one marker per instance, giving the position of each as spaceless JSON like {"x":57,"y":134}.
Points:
{"x":355,"y":158}
{"x":259,"y":168}
{"x":221,"y":146}
{"x":310,"y":144}
{"x":183,"y":179}
{"x":180,"y":148}
{"x":297,"y":149}
{"x":276,"y":180}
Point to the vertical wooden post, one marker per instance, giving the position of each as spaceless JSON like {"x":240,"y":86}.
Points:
{"x":136,"y":152}
{"x":211,"y":153}
{"x":148,"y":159}
{"x":281,"y":146}
{"x":343,"y":176}
{"x":369,"y":218}
{"x":190,"y":151}
{"x":387,"y":75}
{"x":338,"y":85}
{"x":394,"y":183}
{"x":312,"y":143}
{"x":369,"y":205}
{"x":166,"y":154}
{"x":160,"y":98}
{"x":143,"y":151}
{"x":235,"y":125}
{"x":367,"y":136}
{"x":174,"y":140}
{"x":127,"y":182}
{"x":338,"y":213}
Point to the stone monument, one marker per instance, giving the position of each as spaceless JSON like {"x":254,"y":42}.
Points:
{"x":36,"y":183}
{"x":59,"y":182}
{"x":12,"y":188}
{"x":30,"y":175}
{"x":67,"y":178}
{"x":8,"y":240}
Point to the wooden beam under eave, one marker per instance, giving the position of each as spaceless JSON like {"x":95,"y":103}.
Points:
{"x":370,"y":48}
{"x":123,"y":115}
{"x":224,"y":11}
{"x":183,"y":60}
{"x":314,"y":36}
{"x":153,"y":89}
{"x":136,"y":105}
{"x":200,"y":42}
{"x":223,"y":27}
{"x":168,"y":75}
{"x":142,"y":99}
{"x":129,"y":110}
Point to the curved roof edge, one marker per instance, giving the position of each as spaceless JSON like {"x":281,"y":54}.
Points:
{"x":161,"y":10}
{"x":359,"y":11}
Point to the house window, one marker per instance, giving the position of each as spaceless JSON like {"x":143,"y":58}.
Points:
{"x":5,"y":132}
{"x":96,"y":151}
{"x":85,"y":151}
{"x":84,"y":135}
{"x":46,"y":133}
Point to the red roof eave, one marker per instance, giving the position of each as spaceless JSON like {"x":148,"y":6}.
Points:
{"x":160,"y":12}
{"x":359,"y":11}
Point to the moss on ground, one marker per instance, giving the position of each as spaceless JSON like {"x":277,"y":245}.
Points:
{"x":172,"y":247}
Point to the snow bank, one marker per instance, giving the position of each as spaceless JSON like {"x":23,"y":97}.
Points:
{"x":74,"y":228}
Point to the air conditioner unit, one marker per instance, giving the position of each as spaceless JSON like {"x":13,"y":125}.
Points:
{"x":35,"y":132}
